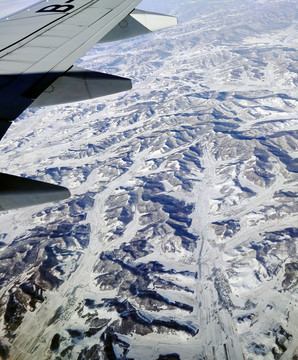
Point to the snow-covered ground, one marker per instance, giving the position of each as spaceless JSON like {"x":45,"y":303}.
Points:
{"x":180,"y":239}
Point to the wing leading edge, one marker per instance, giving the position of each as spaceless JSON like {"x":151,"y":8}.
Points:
{"x":38,"y":47}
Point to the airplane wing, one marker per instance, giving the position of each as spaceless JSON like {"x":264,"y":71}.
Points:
{"x":38,"y":48}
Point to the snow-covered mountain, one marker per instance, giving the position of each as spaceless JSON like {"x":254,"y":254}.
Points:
{"x":180,"y":239}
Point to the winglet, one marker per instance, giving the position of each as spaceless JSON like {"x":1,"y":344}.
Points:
{"x":137,"y":23}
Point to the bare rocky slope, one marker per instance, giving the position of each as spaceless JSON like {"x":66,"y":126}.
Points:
{"x":180,"y":239}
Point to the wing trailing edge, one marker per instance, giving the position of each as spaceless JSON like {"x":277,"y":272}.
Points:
{"x":17,"y":192}
{"x":4,"y":126}
{"x":139,"y":22}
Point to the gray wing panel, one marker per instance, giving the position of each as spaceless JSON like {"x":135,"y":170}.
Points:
{"x":79,"y":84}
{"x":16,"y":192}
{"x":53,"y":38}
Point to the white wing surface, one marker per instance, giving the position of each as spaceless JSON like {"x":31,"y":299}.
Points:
{"x":41,"y":43}
{"x":39,"y":46}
